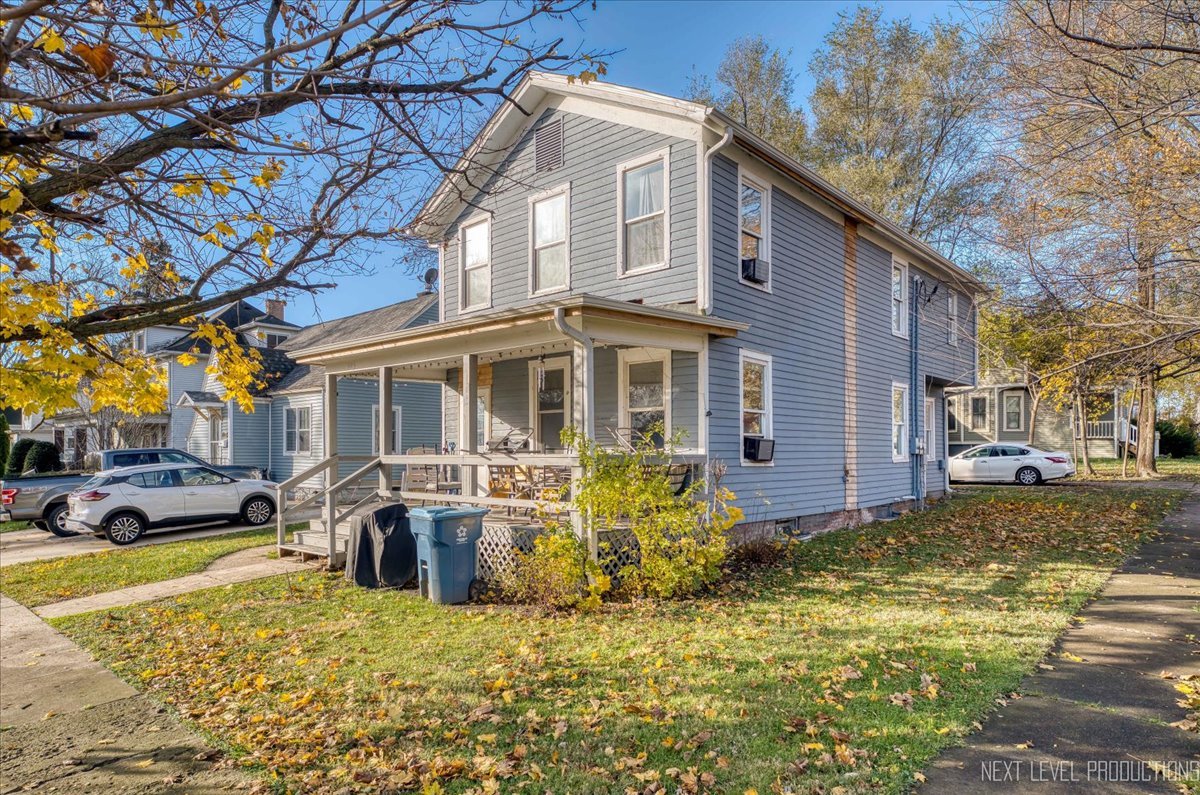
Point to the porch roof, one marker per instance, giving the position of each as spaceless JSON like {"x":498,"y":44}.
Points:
{"x":200,"y":400}
{"x":606,"y":320}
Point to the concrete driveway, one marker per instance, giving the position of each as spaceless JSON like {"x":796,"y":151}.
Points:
{"x":22,"y":546}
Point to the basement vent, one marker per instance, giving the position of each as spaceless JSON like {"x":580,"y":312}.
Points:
{"x":548,"y":146}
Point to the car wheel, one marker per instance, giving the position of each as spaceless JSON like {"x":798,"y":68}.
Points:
{"x":258,"y":511}
{"x":124,"y":529}
{"x":56,"y":520}
{"x":1028,"y":476}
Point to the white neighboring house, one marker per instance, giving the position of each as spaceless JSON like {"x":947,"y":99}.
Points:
{"x":28,"y":426}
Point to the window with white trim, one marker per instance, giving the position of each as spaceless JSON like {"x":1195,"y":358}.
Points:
{"x":979,"y":413}
{"x":1014,"y":411}
{"x":375,"y":429}
{"x":899,"y":422}
{"x":275,"y":340}
{"x":549,"y":254}
{"x":952,"y":319}
{"x":755,"y":389}
{"x":952,"y":415}
{"x":755,"y":217}
{"x":645,"y":394}
{"x":930,"y":428}
{"x":643,"y":199}
{"x":476,"y":244}
{"x":899,"y":299}
{"x":297,"y":430}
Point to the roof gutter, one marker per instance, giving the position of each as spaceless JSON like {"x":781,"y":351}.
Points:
{"x":587,"y":377}
{"x":704,"y":289}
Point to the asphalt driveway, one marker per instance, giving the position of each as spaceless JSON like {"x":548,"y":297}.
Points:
{"x":22,"y":546}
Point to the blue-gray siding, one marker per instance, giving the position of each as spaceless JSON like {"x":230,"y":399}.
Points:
{"x":592,"y":151}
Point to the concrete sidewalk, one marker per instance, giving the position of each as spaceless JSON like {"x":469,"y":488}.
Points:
{"x":1097,"y":715}
{"x":70,"y":725}
{"x":256,"y":567}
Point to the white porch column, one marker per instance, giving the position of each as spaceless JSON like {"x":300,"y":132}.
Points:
{"x":468,"y":420}
{"x":583,"y":413}
{"x":331,"y":474}
{"x":386,"y":431}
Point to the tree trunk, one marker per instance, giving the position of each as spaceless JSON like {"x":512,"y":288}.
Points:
{"x":1128,"y":425}
{"x":1034,"y":399}
{"x":1147,"y":418}
{"x":1081,"y":403}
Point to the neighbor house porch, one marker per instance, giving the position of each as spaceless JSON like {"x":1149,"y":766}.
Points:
{"x":512,"y":381}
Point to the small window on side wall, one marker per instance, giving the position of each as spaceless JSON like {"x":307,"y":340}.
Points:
{"x":952,"y":319}
{"x":900,"y":422}
{"x":754,"y":212}
{"x":549,"y":248}
{"x":899,"y":299}
{"x":758,"y":444}
{"x":476,"y":242}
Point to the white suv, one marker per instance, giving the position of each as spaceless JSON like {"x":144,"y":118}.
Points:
{"x":124,"y":503}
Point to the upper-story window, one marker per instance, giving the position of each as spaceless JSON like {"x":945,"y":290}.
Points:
{"x":754,"y":211}
{"x":476,"y":279}
{"x":550,"y":254}
{"x":139,"y":341}
{"x":899,"y":299}
{"x":275,"y":340}
{"x":952,"y":319}
{"x":642,"y":189}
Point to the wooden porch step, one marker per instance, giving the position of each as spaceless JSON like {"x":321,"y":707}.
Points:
{"x":313,"y":552}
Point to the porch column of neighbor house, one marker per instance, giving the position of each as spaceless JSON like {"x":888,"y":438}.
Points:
{"x":387,"y":434}
{"x":329,"y":421}
{"x":468,"y":420}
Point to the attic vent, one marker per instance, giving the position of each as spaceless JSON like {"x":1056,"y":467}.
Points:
{"x":548,"y":146}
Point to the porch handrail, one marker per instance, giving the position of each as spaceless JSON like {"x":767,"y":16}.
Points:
{"x":281,"y":491}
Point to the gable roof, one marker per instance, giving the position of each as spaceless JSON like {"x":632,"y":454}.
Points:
{"x":506,"y":125}
{"x":234,"y":315}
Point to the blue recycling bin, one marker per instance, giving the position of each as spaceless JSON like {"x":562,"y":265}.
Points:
{"x":446,"y":540}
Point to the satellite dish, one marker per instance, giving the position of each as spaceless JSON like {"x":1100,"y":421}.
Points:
{"x":430,"y":277}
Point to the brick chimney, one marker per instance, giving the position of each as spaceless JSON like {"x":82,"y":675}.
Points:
{"x":275,"y":307}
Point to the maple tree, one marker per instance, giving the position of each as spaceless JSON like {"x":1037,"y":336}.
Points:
{"x":160,"y":159}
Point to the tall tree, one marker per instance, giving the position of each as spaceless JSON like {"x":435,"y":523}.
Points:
{"x":898,"y":121}
{"x":159,"y":159}
{"x":1102,"y":175}
{"x":754,"y":85}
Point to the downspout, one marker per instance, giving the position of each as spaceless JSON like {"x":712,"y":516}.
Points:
{"x":915,"y":403}
{"x":589,"y":391}
{"x":705,"y":288}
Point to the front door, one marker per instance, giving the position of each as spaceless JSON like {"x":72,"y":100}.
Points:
{"x":216,"y":438}
{"x":550,"y":401}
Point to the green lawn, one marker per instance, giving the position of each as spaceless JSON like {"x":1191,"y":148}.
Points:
{"x":8,"y":527}
{"x":847,"y":666}
{"x":1168,"y":468}
{"x":39,"y":583}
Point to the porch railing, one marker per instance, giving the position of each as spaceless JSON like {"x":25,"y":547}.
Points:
{"x":329,"y":491}
{"x":1100,"y":429}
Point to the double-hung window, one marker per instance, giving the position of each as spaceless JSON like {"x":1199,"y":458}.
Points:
{"x":642,"y":195}
{"x":952,"y":415}
{"x":297,"y":430}
{"x":1014,"y":411}
{"x":375,"y":429}
{"x":900,"y":422}
{"x":757,"y":417}
{"x":952,"y":319}
{"x":979,"y":411}
{"x":754,"y":212}
{"x":645,"y":392}
{"x":549,"y":255}
{"x":899,"y":299}
{"x":476,"y":279}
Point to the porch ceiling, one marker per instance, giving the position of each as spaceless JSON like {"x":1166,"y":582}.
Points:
{"x":434,"y":347}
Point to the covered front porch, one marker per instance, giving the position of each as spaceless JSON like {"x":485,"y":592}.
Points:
{"x":512,"y":382}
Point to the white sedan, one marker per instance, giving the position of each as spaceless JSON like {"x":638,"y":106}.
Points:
{"x":125,"y":503}
{"x":1010,"y":463}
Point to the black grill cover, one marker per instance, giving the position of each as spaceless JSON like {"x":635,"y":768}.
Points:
{"x":381,"y":551}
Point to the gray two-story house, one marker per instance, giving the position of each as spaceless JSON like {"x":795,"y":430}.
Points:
{"x":633,"y":259}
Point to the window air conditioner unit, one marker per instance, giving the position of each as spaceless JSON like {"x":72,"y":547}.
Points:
{"x":756,"y":270}
{"x":756,"y":448}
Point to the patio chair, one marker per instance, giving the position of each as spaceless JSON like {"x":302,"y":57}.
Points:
{"x":515,"y":439}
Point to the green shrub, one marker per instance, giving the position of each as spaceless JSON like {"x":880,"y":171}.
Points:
{"x":43,"y":457}
{"x":5,"y":442}
{"x":1178,"y":438}
{"x":682,"y":540}
{"x":16,"y":457}
{"x":553,"y":576}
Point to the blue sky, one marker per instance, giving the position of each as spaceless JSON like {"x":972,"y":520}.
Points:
{"x":658,"y":44}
